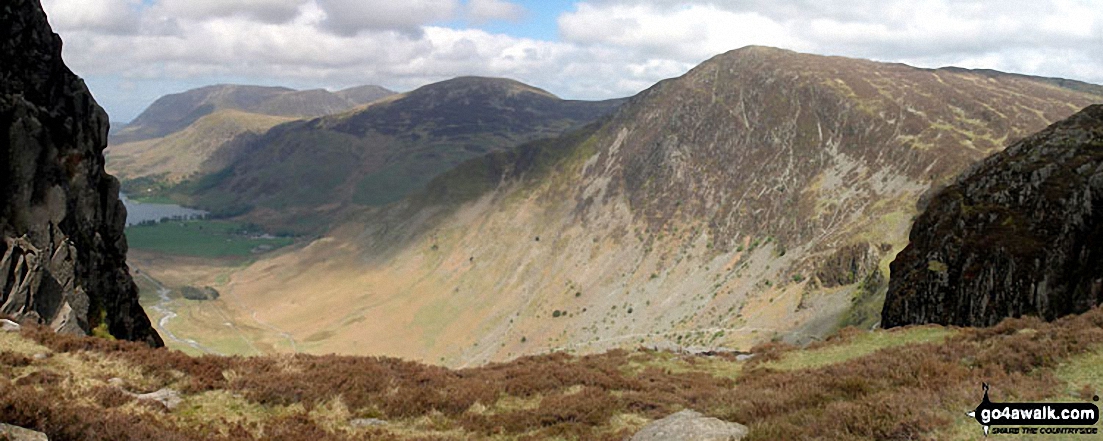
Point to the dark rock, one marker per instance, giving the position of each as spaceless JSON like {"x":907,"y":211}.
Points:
{"x":194,"y":293}
{"x":849,"y":264}
{"x":1019,"y":234}
{"x":688,"y":425}
{"x":62,"y":253}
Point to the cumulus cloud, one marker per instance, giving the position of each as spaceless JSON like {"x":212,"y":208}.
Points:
{"x":481,"y":11}
{"x":348,"y":17}
{"x":269,"y":11}
{"x":607,"y":48}
{"x":100,"y":16}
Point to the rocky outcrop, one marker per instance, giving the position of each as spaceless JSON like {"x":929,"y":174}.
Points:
{"x":16,"y":433}
{"x":689,"y":425}
{"x":1019,"y":234}
{"x":62,"y":252}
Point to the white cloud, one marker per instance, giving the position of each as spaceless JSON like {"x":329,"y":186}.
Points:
{"x":269,"y":11}
{"x":608,"y":48}
{"x":687,"y":33}
{"x":101,"y":16}
{"x":348,"y":17}
{"x":481,"y":11}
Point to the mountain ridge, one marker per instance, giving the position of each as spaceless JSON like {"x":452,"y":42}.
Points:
{"x":174,"y":112}
{"x":184,"y":136}
{"x":377,"y":154}
{"x":760,"y":196}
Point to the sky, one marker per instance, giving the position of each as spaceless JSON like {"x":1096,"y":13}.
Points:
{"x":130,"y":52}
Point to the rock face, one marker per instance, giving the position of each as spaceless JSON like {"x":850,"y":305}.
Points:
{"x":1019,"y":234}
{"x":62,"y":256}
{"x":688,"y":425}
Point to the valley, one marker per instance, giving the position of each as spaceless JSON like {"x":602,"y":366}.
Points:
{"x":770,"y":245}
{"x":758,"y":198}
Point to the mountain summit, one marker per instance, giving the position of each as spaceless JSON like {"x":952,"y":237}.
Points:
{"x":760,"y":196}
{"x":174,"y":112}
{"x":186,"y":136}
{"x":380,"y":153}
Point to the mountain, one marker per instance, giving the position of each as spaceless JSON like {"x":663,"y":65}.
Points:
{"x":1019,"y":234}
{"x":63,"y":251}
{"x":182,"y":136}
{"x":172,"y":113}
{"x":760,"y":196}
{"x":382,"y":152}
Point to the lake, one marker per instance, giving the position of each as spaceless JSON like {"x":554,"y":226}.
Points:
{"x":138,"y":212}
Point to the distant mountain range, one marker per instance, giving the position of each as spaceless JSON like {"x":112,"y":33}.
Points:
{"x":379,"y":154}
{"x":247,"y":152}
{"x":760,"y":196}
{"x":172,"y":113}
{"x":178,"y":135}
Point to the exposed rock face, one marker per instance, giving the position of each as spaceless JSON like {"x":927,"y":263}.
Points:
{"x":688,"y":425}
{"x":1019,"y":234}
{"x":62,"y":256}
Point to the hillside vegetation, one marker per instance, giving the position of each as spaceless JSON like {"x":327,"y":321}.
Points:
{"x":759,"y":197}
{"x":908,"y":383}
{"x":192,"y":134}
{"x":378,"y":154}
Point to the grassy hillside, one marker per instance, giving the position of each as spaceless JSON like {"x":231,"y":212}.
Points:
{"x":186,"y":153}
{"x":378,"y":154}
{"x":175,"y":112}
{"x":759,"y":197}
{"x":911,"y":383}
{"x":189,"y":136}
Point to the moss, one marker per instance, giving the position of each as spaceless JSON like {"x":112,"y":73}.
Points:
{"x":101,"y":330}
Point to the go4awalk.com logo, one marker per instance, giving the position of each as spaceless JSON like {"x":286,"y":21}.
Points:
{"x":1028,"y":418}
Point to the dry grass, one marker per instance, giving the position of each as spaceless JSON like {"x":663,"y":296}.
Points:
{"x":910,"y":384}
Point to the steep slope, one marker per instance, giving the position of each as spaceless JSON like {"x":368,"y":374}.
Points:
{"x":760,"y":196}
{"x":380,"y":153}
{"x":182,"y":136}
{"x":1019,"y":234}
{"x":63,"y":250}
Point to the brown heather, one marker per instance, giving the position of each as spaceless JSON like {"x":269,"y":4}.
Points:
{"x":912,"y":391}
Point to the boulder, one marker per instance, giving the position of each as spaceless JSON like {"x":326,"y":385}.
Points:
{"x":689,"y":425}
{"x":16,"y":433}
{"x":9,"y":326}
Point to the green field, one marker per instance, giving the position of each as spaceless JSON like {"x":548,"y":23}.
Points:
{"x":203,"y":238}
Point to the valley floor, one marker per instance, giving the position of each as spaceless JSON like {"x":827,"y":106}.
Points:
{"x":910,"y":383}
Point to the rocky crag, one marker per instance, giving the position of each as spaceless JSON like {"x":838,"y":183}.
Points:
{"x":1019,"y":234}
{"x":63,"y":250}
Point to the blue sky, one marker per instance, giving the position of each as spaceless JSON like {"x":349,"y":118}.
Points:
{"x":133,"y":51}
